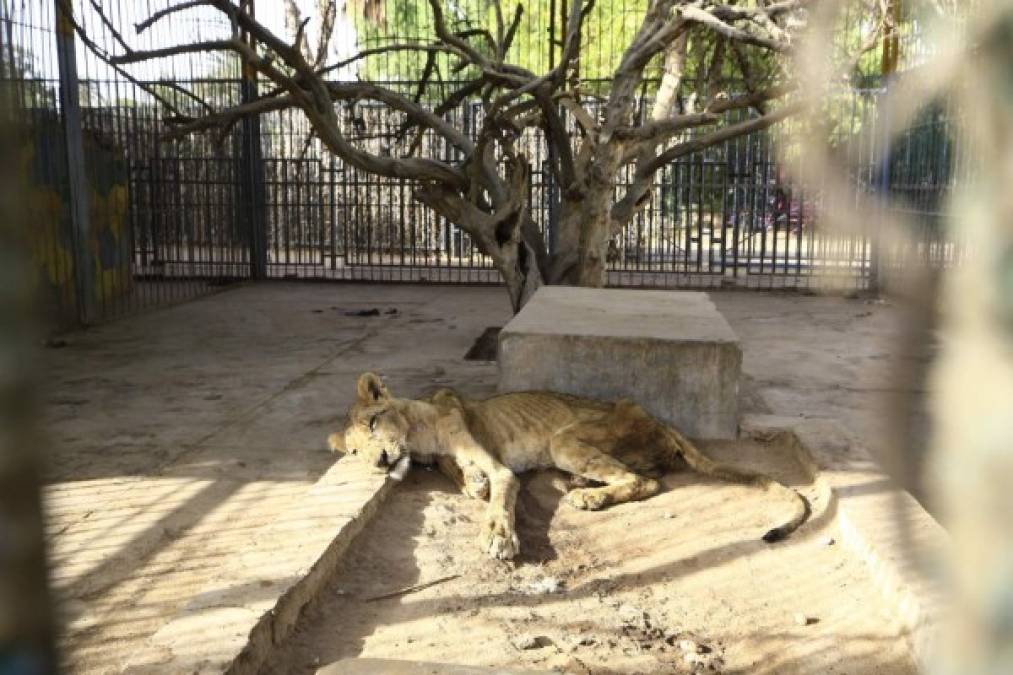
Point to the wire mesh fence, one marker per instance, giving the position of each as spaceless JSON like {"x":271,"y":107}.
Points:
{"x":170,"y":221}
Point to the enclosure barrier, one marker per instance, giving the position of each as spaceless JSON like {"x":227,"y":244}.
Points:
{"x":124,"y":221}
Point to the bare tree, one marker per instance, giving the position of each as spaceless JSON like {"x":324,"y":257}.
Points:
{"x":485,"y":189}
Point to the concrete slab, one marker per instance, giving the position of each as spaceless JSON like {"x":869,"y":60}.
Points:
{"x":903,"y":546}
{"x":253,"y":600}
{"x":181,"y":437}
{"x":396,"y":667}
{"x":672,"y":352}
{"x":189,"y":466}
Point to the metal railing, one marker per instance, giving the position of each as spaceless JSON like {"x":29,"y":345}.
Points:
{"x":158,"y":222}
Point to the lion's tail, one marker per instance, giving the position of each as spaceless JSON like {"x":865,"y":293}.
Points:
{"x":707,"y":466}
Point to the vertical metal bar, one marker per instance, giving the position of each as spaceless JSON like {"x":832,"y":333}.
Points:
{"x":27,"y":626}
{"x":332,"y":226}
{"x":77,"y":182}
{"x":883,"y":183}
{"x":252,"y":191}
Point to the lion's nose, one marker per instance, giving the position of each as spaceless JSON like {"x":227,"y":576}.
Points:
{"x":384,"y":460}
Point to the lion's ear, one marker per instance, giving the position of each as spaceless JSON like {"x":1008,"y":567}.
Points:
{"x":336,"y":442}
{"x":371,"y":389}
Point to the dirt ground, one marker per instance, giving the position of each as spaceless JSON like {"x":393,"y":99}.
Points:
{"x":177,"y":434}
{"x":678,"y":583}
{"x":845,"y":359}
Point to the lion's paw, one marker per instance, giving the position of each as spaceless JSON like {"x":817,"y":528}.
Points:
{"x":586,"y":499}
{"x":498,"y":539}
{"x":476,"y":484}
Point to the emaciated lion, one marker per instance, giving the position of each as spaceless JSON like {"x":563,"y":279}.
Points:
{"x":482,"y":445}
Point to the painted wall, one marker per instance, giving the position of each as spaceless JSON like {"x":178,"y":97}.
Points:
{"x":50,"y":233}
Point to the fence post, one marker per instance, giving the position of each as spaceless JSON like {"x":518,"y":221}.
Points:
{"x":27,"y":627}
{"x":77,"y":181}
{"x":883,"y":188}
{"x":252,"y":191}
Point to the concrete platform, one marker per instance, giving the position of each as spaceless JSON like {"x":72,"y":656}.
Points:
{"x":186,"y":472}
{"x":192,"y":506}
{"x":903,"y":546}
{"x":396,"y":667}
{"x":672,"y":352}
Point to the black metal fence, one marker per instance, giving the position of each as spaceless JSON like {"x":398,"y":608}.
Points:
{"x":127,"y":221}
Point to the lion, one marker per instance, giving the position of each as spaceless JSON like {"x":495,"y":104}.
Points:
{"x":615,"y":450}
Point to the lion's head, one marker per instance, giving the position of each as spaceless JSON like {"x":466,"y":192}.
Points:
{"x":376,"y":431}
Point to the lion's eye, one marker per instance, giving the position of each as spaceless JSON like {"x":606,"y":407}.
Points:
{"x":372,"y":422}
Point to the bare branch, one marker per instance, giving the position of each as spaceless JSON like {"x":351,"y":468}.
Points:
{"x":460,"y":45}
{"x":225,"y":118}
{"x":753,"y":100}
{"x":719,"y":136}
{"x":328,"y":11}
{"x":714,"y":23}
{"x":192,"y":48}
{"x":167,"y":11}
{"x":296,"y":25}
{"x":387,"y":49}
{"x":511,"y":31}
{"x":108,"y":24}
{"x":660,"y":129}
{"x":769,"y":11}
{"x":571,"y":45}
{"x":107,"y":58}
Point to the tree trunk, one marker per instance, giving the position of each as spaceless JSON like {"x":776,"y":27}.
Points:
{"x":520,"y":273}
{"x":593,"y":214}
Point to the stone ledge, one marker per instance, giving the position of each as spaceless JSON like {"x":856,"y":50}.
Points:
{"x":365,"y":666}
{"x":882,"y":524}
{"x":251,"y":606}
{"x":671,"y":352}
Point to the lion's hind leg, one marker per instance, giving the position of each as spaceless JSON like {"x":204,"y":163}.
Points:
{"x":573,"y":455}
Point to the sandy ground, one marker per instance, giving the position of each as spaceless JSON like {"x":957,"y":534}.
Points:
{"x":678,"y":583}
{"x":176,"y":434}
{"x":846,"y":359}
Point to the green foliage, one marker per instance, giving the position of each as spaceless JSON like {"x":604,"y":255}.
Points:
{"x":607,"y":32}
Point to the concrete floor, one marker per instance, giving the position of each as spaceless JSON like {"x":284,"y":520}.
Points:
{"x":178,"y":433}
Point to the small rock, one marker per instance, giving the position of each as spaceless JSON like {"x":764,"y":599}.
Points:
{"x":694,"y":647}
{"x":54,"y":343}
{"x":526,"y":642}
{"x":692,"y":659}
{"x":669,"y":514}
{"x":364,"y":312}
{"x":828,"y":541}
{"x":804,"y":620}
{"x":633,"y":616}
{"x":543,"y":586}
{"x":586,"y":640}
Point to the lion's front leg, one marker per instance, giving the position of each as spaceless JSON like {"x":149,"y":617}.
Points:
{"x":471,"y":480}
{"x":498,"y":537}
